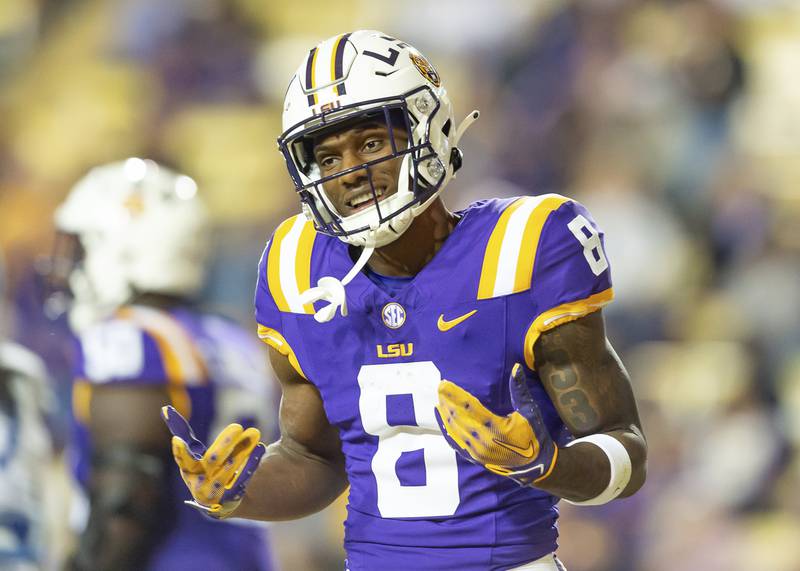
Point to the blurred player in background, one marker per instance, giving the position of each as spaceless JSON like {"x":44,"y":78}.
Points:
{"x":503,"y":299}
{"x":26,"y":458}
{"x":132,"y":247}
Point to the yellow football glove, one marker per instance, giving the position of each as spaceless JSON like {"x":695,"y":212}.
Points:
{"x":518,"y":445}
{"x":216,"y":476}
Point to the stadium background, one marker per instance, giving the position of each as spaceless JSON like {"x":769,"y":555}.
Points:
{"x":676,"y":122}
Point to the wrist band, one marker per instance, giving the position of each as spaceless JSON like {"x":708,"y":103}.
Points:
{"x":620,"y":463}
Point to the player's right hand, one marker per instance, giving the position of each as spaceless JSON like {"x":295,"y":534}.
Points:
{"x":216,"y":476}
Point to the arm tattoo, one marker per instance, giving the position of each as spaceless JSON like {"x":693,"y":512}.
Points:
{"x":583,"y":415}
{"x":562,"y":379}
{"x":574,"y":366}
{"x":575,"y":400}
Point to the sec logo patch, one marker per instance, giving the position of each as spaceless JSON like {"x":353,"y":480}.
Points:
{"x":393,"y":315}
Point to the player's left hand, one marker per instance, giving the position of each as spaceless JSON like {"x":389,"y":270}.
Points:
{"x":518,"y":445}
{"x":216,"y":476}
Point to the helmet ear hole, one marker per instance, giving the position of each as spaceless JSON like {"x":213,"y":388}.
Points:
{"x":446,"y":128}
{"x":456,"y":158}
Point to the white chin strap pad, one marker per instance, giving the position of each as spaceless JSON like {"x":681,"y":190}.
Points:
{"x":331,"y":290}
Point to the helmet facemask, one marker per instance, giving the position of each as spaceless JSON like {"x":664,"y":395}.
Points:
{"x":85,"y":287}
{"x":421,"y":173}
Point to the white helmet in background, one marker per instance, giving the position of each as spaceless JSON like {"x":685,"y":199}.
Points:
{"x":140,"y":228}
{"x":367,"y":74}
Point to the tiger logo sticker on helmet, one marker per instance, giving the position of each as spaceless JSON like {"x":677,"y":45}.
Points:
{"x":425,"y":68}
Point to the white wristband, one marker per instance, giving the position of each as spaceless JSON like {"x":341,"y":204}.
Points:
{"x":620,"y":463}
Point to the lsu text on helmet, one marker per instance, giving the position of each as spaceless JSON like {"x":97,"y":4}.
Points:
{"x":138,"y":227}
{"x":369,"y":75}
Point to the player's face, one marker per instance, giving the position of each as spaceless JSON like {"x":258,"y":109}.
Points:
{"x":359,"y":144}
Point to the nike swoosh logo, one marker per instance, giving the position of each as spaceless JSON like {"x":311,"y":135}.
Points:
{"x":524,"y":452}
{"x":444,"y":325}
{"x":386,"y":73}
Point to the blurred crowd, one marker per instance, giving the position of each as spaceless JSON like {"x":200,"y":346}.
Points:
{"x":676,"y":122}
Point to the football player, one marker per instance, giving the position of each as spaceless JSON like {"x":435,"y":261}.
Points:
{"x":132,"y":247}
{"x":27,"y":460}
{"x":458,"y":376}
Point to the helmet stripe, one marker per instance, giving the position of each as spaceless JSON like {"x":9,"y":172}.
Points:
{"x":310,"y":65}
{"x":337,"y":70}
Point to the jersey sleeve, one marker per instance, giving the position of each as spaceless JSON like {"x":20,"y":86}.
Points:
{"x":284,"y":272}
{"x":119,"y":351}
{"x":267,"y":312}
{"x":140,"y":346}
{"x":571,"y":276}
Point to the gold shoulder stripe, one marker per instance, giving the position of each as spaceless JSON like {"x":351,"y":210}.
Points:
{"x":511,"y":250}
{"x":182,"y":361}
{"x":289,"y":264}
{"x":492,"y":255}
{"x":275,"y":340}
{"x":305,"y":245}
{"x":274,"y":265}
{"x":530,"y":240}
{"x":81,"y":400}
{"x":561,"y":314}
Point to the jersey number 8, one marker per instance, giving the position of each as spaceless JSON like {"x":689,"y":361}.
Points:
{"x":419,"y":382}
{"x":590,"y":240}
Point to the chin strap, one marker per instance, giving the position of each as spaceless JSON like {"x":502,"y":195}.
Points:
{"x":332,"y":290}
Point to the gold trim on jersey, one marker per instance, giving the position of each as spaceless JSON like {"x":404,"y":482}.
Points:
{"x":561,"y":314}
{"x":183,"y":363}
{"x":511,"y":250}
{"x":275,"y":340}
{"x":289,"y":264}
{"x":82,"y":400}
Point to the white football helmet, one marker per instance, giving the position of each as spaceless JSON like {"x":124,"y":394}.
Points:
{"x":369,"y":74}
{"x":140,"y":228}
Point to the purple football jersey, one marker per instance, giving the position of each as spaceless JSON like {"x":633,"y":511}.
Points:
{"x":510,"y":270}
{"x":215,"y":373}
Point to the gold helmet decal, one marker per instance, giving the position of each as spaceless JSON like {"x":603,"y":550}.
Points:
{"x":426,"y":69}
